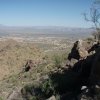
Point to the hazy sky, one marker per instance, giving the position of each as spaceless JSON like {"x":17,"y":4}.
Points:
{"x":44,"y":12}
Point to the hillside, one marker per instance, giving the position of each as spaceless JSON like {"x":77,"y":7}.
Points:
{"x":14,"y":55}
{"x":48,"y":68}
{"x":71,"y":75}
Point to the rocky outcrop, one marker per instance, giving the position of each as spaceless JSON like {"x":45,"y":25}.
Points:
{"x":52,"y":98}
{"x":94,"y":47}
{"x":89,"y":64}
{"x":28,"y":65}
{"x":88,"y":67}
{"x":78,"y":51}
{"x":95,"y":70}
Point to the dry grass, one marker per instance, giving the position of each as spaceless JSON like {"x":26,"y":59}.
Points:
{"x":13,"y":56}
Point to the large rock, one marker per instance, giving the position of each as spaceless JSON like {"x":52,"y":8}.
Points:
{"x":29,"y":65}
{"x":71,"y":63}
{"x":78,"y":51}
{"x":52,"y":98}
{"x":95,"y":71}
{"x":94,"y":47}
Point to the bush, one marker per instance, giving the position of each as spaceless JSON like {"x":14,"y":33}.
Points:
{"x":57,"y":61}
{"x":41,"y":92}
{"x":33,"y":98}
{"x":1,"y":98}
{"x":48,"y":88}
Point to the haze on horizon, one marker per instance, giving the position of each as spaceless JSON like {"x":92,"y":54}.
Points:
{"x":66,"y":13}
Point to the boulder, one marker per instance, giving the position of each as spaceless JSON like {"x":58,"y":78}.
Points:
{"x":52,"y":98}
{"x":94,"y":47}
{"x":78,"y":51}
{"x":71,"y":63}
{"x":29,"y":64}
{"x":95,"y":71}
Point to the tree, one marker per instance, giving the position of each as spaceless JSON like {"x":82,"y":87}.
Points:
{"x":94,"y":17}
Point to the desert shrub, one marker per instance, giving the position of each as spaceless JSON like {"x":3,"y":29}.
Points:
{"x":1,"y":98}
{"x":40,"y":92}
{"x":89,"y":40}
{"x":57,"y":84}
{"x":27,"y":90}
{"x":48,"y":88}
{"x":64,"y":56}
{"x":57,"y":61}
{"x":33,"y":98}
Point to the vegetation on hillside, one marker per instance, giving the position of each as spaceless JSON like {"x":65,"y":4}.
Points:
{"x":13,"y":58}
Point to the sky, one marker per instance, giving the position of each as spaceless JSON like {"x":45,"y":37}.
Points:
{"x":44,"y":12}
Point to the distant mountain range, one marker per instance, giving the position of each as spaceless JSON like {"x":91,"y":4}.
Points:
{"x":9,"y":30}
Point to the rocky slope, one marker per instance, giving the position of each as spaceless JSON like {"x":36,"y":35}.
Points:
{"x":78,"y":80}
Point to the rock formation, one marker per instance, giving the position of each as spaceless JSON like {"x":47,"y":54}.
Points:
{"x":29,"y":64}
{"x":78,"y":51}
{"x":88,"y":67}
